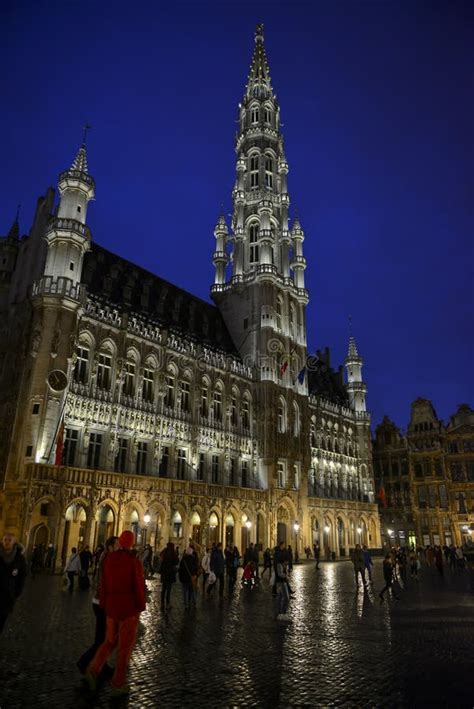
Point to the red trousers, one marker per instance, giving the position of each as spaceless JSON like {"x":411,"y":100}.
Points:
{"x":122,"y":633}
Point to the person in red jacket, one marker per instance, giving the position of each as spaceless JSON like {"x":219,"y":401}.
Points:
{"x":122,"y":595}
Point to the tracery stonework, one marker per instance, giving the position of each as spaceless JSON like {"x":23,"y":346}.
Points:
{"x":179,"y":418}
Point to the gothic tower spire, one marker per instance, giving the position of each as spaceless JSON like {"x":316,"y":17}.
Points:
{"x":266,"y":275}
{"x":355,"y":384}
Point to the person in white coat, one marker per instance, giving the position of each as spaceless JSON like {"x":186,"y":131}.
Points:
{"x":73,"y":567}
{"x":206,"y":567}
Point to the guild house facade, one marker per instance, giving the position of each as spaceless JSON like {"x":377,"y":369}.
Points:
{"x":128,"y":402}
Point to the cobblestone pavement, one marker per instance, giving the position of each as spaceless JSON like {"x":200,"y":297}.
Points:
{"x":341,"y":648}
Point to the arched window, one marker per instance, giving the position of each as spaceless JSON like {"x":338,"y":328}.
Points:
{"x":296,"y":419}
{"x":253,"y":243}
{"x":81,"y":368}
{"x":170,"y":381}
{"x":130,"y":370}
{"x":217,"y":404}
{"x":148,"y":385}
{"x":278,"y":313}
{"x":104,"y":371}
{"x":245,"y":413}
{"x":267,"y":115}
{"x":254,"y":114}
{"x":281,"y":415}
{"x":268,"y":172}
{"x":254,"y":169}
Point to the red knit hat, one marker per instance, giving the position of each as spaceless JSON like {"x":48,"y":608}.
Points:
{"x":126,"y":539}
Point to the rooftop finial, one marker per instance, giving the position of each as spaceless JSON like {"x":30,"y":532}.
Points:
{"x":17,"y":218}
{"x":259,"y":32}
{"x":86,"y":129}
{"x":350,"y":325}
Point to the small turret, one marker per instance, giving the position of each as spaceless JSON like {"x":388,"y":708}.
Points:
{"x":355,"y":385}
{"x":220,"y":256}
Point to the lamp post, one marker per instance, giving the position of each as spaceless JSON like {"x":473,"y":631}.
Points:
{"x":359,"y":532}
{"x":296,"y":527}
{"x":146,"y":519}
{"x":327,"y":550}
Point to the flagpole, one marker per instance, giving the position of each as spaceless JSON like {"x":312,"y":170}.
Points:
{"x":56,"y":431}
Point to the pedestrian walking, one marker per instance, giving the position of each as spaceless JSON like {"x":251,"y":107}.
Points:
{"x":168,"y":566}
{"x":368,"y":563}
{"x":439,"y":560}
{"x":317,"y":554}
{"x":289,"y":558}
{"x":281,"y":581}
{"x":267,"y":562}
{"x":388,"y":577}
{"x":49,"y":558}
{"x":122,"y":595}
{"x":73,"y":568}
{"x":188,"y":570}
{"x":37,"y":556}
{"x":413,"y":559}
{"x":206,"y":568}
{"x":13,"y":570}
{"x":216,"y":565}
{"x":358,"y":561}
{"x":255,"y":558}
{"x":112,"y":544}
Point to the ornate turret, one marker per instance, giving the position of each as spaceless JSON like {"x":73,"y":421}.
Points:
{"x":67,"y":235}
{"x":355,"y":386}
{"x":220,"y":256}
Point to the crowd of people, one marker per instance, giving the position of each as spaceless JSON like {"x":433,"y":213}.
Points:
{"x":118,"y":570}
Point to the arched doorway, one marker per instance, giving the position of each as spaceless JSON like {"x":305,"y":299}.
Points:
{"x":281,"y":532}
{"x":213,"y":528}
{"x":105,"y":519}
{"x":316,"y":539}
{"x":229,"y":530}
{"x":41,"y":536}
{"x":327,"y":538}
{"x":196,"y":528}
{"x":176,"y":525}
{"x":74,"y":529}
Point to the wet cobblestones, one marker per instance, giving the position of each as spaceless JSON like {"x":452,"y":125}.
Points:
{"x":342,"y":648}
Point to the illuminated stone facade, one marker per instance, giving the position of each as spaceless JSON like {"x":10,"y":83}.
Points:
{"x":181,"y":418}
{"x":428,"y":477}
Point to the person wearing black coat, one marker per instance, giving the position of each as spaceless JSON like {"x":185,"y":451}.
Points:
{"x":188,"y":572}
{"x":168,"y":565}
{"x":13,"y":569}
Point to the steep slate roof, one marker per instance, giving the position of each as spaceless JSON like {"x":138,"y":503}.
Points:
{"x":324,"y":381}
{"x":130,"y":287}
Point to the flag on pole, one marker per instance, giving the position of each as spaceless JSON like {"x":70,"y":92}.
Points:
{"x":58,"y":458}
{"x":301,"y":375}
{"x":284,"y":367}
{"x":381,"y":496}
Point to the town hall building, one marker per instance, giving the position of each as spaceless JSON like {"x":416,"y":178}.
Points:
{"x":127,"y":402}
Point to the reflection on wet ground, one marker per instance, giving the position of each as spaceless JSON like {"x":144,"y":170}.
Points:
{"x":341,"y":647}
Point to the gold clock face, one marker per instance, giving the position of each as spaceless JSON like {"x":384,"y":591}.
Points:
{"x":57,"y":380}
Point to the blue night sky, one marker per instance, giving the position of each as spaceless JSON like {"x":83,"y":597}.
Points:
{"x":377,"y":106}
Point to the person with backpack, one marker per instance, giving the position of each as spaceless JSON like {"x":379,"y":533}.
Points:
{"x":168,"y":565}
{"x":188,"y":575}
{"x":388,"y":576}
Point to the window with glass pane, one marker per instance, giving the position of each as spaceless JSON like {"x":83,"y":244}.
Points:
{"x":281,"y":423}
{"x":129,"y":381}
{"x":204,"y":402}
{"x":93,"y":452}
{"x":281,"y":474}
{"x":254,"y":114}
{"x":215,"y":469}
{"x":268,"y":172}
{"x":70,"y":446}
{"x":185,"y":396}
{"x":104,"y":369}
{"x":443,"y":497}
{"x":245,"y":414}
{"x":148,"y":385}
{"x":201,"y":467}
{"x":142,"y":453}
{"x":82,"y":364}
{"x":181,"y":464}
{"x":422,"y":497}
{"x":296,"y":472}
{"x":233,"y":411}
{"x":121,"y":456}
{"x":254,"y":170}
{"x":169,"y":396}
{"x":433,"y":495}
{"x":217,"y":405}
{"x":233,"y":472}
{"x":245,"y":474}
{"x":278,"y":314}
{"x":267,"y":115}
{"x":253,"y":243}
{"x":163,"y":467}
{"x":457,"y":472}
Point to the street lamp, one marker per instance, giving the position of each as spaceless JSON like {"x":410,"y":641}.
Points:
{"x":296,"y":527}
{"x":359,"y":532}
{"x":146,"y":519}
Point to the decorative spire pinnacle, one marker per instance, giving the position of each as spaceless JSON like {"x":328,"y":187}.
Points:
{"x":352,"y":350}
{"x":80,"y":161}
{"x":14,"y":232}
{"x":259,"y":81}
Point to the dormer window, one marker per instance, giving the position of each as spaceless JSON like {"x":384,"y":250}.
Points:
{"x":254,"y":114}
{"x":267,"y":115}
